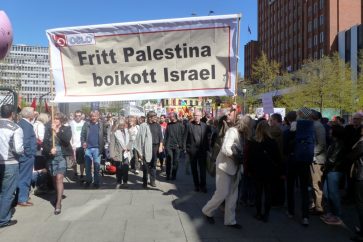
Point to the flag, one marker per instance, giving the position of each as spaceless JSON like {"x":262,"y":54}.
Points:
{"x":34,"y":103}
{"x":249,"y":30}
{"x":47,"y":109}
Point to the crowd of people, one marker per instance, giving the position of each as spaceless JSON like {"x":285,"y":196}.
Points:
{"x":256,"y":162}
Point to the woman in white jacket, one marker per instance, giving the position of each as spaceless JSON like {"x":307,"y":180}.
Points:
{"x":227,"y":175}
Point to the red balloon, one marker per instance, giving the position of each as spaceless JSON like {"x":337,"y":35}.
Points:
{"x":6,"y":35}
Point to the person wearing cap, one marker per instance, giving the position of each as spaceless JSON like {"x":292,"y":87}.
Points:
{"x":300,"y":142}
{"x":157,"y":146}
{"x":351,"y":136}
{"x":143,"y":146}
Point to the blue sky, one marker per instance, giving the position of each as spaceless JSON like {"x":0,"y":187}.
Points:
{"x":30,"y":19}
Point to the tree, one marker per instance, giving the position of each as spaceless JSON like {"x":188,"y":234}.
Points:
{"x":323,"y":83}
{"x":264,"y":74}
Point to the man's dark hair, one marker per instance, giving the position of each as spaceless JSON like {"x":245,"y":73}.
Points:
{"x":291,"y":116}
{"x":316,"y":115}
{"x":7,"y":110}
{"x":277,"y":117}
{"x":163,"y":115}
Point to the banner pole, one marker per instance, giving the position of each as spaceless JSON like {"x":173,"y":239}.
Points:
{"x":51,"y":79}
{"x":237,"y":59}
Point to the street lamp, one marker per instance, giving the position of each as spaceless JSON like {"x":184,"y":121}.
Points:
{"x":244,"y":91}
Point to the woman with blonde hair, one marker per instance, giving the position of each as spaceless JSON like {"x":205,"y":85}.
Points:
{"x":264,"y":164}
{"x":133,"y":128}
{"x":228,"y":164}
{"x":120,"y":151}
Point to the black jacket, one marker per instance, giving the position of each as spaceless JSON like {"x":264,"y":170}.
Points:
{"x":174,"y":135}
{"x":190,"y":138}
{"x":63,"y":138}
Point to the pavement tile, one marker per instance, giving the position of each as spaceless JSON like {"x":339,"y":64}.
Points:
{"x":152,"y":229}
{"x":129,"y":212}
{"x":95,"y":231}
{"x":34,"y":231}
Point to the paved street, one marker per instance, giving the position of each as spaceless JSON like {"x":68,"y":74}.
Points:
{"x":172,"y":212}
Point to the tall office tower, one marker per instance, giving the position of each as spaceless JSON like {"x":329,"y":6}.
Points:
{"x":291,"y":31}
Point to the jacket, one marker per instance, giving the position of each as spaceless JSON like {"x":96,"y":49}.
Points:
{"x":335,"y":157}
{"x":102,"y":135}
{"x":143,"y":142}
{"x":225,"y":161}
{"x":11,"y":140}
{"x":320,"y":143}
{"x":265,"y":159}
{"x":62,"y":138}
{"x":190,"y":142}
{"x":174,"y":135}
{"x":29,"y":140}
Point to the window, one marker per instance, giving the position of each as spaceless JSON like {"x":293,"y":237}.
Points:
{"x":315,"y":40}
{"x":315,"y":23}
{"x":321,"y":19}
{"x":309,"y":11}
{"x":321,"y":37}
{"x":309,"y":43}
{"x":321,"y":4}
{"x":310,"y":25}
{"x":315,"y":7}
{"x":321,"y":53}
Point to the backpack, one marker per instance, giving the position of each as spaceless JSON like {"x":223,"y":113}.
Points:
{"x":304,"y":141}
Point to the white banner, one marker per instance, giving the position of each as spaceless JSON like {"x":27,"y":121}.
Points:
{"x":170,"y":58}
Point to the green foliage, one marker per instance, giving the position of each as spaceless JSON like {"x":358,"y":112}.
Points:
{"x":323,"y":83}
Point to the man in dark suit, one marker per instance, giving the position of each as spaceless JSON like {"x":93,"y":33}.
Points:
{"x":196,"y":144}
{"x":26,"y":161}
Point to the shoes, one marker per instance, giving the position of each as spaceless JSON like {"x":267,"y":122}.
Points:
{"x":124,"y":185}
{"x":235,"y":226}
{"x":333,"y":220}
{"x":81,"y":179}
{"x":9,"y":223}
{"x":137,"y":172}
{"x":96,"y":186}
{"x":144,"y":185}
{"x":305,"y":222}
{"x":168,"y":178}
{"x":152,"y":184}
{"x":196,"y":189}
{"x":74,"y":177}
{"x":316,"y":212}
{"x":210,"y":220}
{"x":25,"y":204}
{"x":57,"y":211}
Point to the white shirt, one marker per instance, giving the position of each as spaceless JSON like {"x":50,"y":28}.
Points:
{"x":76,"y":133}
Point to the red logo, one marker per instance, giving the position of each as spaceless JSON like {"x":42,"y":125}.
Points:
{"x":59,"y":40}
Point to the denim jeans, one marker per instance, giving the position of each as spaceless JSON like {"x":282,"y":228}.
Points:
{"x":9,"y":175}
{"x":332,"y":193}
{"x":93,"y":154}
{"x":25,"y":178}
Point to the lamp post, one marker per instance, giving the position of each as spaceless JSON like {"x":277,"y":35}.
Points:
{"x":244,"y":91}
